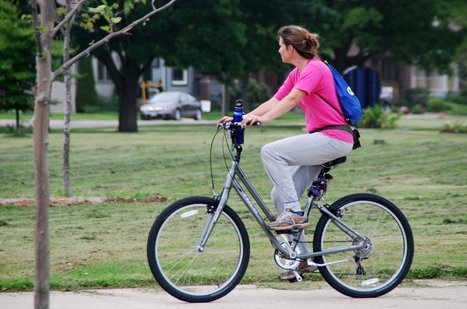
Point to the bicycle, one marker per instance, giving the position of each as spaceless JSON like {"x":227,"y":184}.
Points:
{"x":198,"y":247}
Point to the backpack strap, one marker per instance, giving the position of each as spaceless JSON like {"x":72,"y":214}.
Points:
{"x":345,"y":128}
{"x":349,"y":129}
{"x":322,"y":98}
{"x":332,"y":106}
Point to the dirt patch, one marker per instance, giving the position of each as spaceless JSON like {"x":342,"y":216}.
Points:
{"x":71,"y":201}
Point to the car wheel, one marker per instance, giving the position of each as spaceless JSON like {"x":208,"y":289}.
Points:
{"x":177,"y":115}
{"x":197,"y":115}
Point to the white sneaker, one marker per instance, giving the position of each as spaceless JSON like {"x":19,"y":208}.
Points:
{"x":289,"y":219}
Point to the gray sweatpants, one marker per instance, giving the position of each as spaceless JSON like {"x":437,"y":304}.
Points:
{"x":292,"y":163}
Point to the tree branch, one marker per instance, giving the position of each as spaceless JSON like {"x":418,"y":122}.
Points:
{"x":68,"y":16}
{"x":107,"y":38}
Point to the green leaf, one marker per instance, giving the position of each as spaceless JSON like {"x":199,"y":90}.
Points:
{"x":89,"y":25}
{"x":61,"y":11}
{"x":361,"y":17}
{"x":106,"y":28}
{"x":115,"y":20}
{"x":100,"y":9}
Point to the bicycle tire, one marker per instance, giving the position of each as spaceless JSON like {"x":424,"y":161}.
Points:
{"x":183,"y":271}
{"x":385,"y":265}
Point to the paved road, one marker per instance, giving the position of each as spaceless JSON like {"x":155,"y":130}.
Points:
{"x":437,"y":295}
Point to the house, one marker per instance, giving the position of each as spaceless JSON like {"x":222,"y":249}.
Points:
{"x":403,"y":77}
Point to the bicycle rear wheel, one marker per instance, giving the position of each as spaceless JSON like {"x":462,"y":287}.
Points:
{"x":184,"y":271}
{"x":376,"y":269}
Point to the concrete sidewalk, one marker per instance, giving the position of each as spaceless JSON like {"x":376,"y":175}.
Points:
{"x":444,"y":295}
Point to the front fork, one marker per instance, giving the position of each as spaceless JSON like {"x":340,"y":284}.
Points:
{"x":217,"y":208}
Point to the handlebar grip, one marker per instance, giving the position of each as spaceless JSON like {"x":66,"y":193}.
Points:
{"x":256,"y":124}
{"x":230,"y":123}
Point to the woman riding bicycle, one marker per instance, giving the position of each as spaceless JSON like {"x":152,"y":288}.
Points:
{"x":293,"y":162}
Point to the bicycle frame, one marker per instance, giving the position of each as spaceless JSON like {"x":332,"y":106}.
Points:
{"x":235,"y":179}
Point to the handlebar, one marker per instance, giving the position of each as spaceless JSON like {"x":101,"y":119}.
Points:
{"x":229,"y":124}
{"x":234,"y":129}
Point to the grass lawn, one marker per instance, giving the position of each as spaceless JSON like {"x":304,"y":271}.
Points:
{"x":59,"y":116}
{"x":103,"y":245}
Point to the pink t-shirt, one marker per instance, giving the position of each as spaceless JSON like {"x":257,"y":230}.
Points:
{"x":316,"y":78}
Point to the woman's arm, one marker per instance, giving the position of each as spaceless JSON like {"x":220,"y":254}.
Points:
{"x":262,"y":109}
{"x":273,"y":109}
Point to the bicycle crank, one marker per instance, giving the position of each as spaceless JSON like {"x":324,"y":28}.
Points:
{"x":284,"y":262}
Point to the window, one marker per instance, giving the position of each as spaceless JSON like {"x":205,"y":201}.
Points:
{"x":102,"y":74}
{"x":179,"y":77}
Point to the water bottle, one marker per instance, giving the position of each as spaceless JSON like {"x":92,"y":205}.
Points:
{"x":238,"y":117}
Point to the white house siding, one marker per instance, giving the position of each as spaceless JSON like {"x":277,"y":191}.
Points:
{"x":439,"y":85}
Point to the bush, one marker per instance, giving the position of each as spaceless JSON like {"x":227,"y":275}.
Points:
{"x":457,"y":109}
{"x":435,"y":105}
{"x":418,"y":109}
{"x":376,"y":118}
{"x":459,"y":99}
{"x":417,"y":96}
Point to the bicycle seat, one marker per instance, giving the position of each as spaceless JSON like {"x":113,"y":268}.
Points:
{"x":335,"y":162}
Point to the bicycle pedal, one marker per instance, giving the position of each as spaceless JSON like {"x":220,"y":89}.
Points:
{"x":298,"y":277}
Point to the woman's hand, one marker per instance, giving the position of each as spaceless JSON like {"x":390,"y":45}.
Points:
{"x":224,"y":120}
{"x":251,"y":120}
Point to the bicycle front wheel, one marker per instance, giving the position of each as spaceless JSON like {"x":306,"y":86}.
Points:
{"x":385,"y":259}
{"x":178,"y":265}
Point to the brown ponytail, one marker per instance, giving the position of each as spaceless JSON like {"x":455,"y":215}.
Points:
{"x":304,"y":42}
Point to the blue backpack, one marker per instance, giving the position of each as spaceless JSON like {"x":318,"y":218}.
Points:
{"x":349,"y":103}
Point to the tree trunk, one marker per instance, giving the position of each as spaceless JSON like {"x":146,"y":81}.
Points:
{"x":341,"y":61}
{"x":18,"y":124}
{"x":244,"y":90}
{"x":66,"y":136}
{"x":128,"y":93}
{"x":41,"y":168}
{"x":67,"y":113}
{"x":225,"y":100}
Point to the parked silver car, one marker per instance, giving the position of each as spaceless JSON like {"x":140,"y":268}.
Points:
{"x":171,"y":105}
